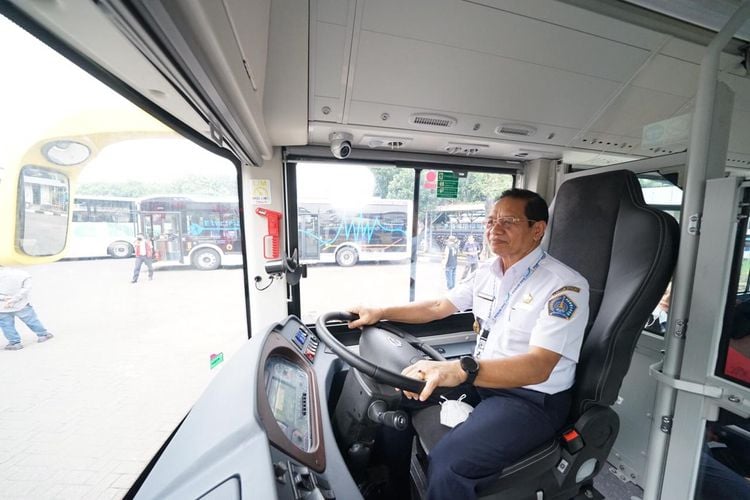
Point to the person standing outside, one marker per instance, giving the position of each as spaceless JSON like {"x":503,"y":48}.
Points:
{"x":450,"y":260}
{"x":471,"y":250}
{"x":15,"y":287}
{"x":144,"y":254}
{"x":531,"y":311}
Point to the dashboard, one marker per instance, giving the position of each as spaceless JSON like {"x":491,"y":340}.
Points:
{"x":289,"y":408}
{"x":261,"y":429}
{"x":287,"y":387}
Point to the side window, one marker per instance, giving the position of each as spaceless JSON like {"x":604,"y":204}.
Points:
{"x":115,"y":342}
{"x":661,"y":192}
{"x":356,"y":228}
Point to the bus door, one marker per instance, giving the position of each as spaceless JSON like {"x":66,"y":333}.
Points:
{"x":309,"y":244}
{"x":166,"y":232}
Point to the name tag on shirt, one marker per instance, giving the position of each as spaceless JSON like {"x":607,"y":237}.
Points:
{"x":485,"y":296}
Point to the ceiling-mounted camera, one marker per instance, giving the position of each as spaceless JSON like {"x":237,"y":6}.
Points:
{"x":341,"y":144}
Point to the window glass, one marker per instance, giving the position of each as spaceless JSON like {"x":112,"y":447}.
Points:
{"x":83,"y":410}
{"x":355,"y":226}
{"x":451,"y":237}
{"x":661,"y":193}
{"x":355,"y":235}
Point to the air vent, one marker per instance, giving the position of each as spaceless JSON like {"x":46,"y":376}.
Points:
{"x":433,"y":120}
{"x":457,"y":148}
{"x":379,"y":141}
{"x":516,"y":129}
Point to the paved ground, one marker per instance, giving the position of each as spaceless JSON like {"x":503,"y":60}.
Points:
{"x":82,"y":414}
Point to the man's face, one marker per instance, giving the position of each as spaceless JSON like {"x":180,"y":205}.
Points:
{"x":512,"y":240}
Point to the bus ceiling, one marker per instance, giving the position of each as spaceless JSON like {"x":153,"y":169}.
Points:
{"x":281,"y":75}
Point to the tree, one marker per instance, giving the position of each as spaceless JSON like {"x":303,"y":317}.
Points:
{"x":192,"y":184}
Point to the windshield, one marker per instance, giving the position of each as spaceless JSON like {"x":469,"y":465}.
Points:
{"x":104,"y":351}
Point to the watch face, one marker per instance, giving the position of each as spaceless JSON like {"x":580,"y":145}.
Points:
{"x":469,"y":364}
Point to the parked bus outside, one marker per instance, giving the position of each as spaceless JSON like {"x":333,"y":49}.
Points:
{"x":200,"y":231}
{"x":102,"y":226}
{"x":380,"y":230}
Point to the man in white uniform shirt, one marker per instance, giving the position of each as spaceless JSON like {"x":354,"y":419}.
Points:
{"x":531,"y":311}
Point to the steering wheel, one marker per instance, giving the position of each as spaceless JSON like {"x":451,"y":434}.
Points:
{"x":391,"y":338}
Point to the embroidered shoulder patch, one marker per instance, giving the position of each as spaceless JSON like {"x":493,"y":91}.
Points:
{"x":562,"y":307}
{"x":566,"y":289}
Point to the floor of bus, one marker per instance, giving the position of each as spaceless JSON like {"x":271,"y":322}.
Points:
{"x":613,"y":488}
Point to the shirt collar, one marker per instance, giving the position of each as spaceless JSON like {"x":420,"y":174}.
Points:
{"x":519,"y":266}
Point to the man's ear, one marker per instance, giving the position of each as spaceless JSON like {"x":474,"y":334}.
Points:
{"x":539,"y":228}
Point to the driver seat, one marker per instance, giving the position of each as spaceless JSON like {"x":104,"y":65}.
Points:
{"x":600,"y":226}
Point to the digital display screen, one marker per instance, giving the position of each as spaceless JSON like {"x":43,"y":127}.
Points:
{"x":734,"y":353}
{"x":287,"y":389}
{"x":734,"y":349}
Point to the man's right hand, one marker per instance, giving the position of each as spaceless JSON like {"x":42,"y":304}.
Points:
{"x":367,"y":316}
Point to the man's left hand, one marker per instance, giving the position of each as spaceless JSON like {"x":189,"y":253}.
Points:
{"x":434,"y":374}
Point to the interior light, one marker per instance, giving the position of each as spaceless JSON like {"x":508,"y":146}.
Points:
{"x":66,"y":153}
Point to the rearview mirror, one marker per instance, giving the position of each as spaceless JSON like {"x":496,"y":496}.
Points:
{"x":42,"y":211}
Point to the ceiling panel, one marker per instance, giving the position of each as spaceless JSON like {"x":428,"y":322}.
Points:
{"x":560,"y":13}
{"x":669,"y":75}
{"x":491,"y":31}
{"x":333,"y":11}
{"x":455,"y":80}
{"x":637,"y":107}
{"x":330,"y":60}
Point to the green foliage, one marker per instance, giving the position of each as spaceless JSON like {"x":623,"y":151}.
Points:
{"x":193,"y":184}
{"x":398,"y":183}
{"x":482,"y":187}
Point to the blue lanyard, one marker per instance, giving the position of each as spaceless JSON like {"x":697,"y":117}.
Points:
{"x":529,"y":271}
{"x":487,"y":326}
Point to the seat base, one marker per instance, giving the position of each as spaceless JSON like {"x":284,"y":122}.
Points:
{"x":550,"y":468}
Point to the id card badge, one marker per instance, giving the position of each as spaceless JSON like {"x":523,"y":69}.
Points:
{"x":482,"y":340}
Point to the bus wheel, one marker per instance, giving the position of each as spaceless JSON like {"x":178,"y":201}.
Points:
{"x":346,"y":257}
{"x":120,"y":250}
{"x":206,"y":259}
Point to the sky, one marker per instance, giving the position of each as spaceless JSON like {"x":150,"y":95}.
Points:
{"x":352,"y":185}
{"x":39,"y":88}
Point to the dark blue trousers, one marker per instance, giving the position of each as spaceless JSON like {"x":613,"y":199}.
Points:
{"x":504,"y":426}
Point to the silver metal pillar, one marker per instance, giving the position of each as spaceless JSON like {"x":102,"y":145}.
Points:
{"x":682,"y":288}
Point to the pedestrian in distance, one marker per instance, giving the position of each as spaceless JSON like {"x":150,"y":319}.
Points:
{"x":471,"y":250}
{"x":450,"y":260}
{"x":144,"y":254}
{"x":15,"y":287}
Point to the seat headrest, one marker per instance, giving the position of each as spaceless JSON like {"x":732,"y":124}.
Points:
{"x":601,"y":227}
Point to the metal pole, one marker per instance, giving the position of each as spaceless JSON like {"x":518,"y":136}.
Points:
{"x":682,"y":289}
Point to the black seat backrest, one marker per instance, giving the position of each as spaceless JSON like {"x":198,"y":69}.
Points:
{"x":601,"y":227}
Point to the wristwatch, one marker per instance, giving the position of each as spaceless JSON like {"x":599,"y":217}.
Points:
{"x":471,"y":367}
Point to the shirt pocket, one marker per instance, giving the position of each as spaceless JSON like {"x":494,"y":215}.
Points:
{"x":523,"y":318}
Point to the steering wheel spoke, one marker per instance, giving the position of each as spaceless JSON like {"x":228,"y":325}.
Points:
{"x":392,"y":349}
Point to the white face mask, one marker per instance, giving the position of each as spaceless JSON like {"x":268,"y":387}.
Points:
{"x":453,"y":412}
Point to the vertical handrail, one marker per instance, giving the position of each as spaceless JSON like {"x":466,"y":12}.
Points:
{"x":682,"y":289}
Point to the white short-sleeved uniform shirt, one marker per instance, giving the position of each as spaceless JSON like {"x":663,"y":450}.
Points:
{"x":546,"y":305}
